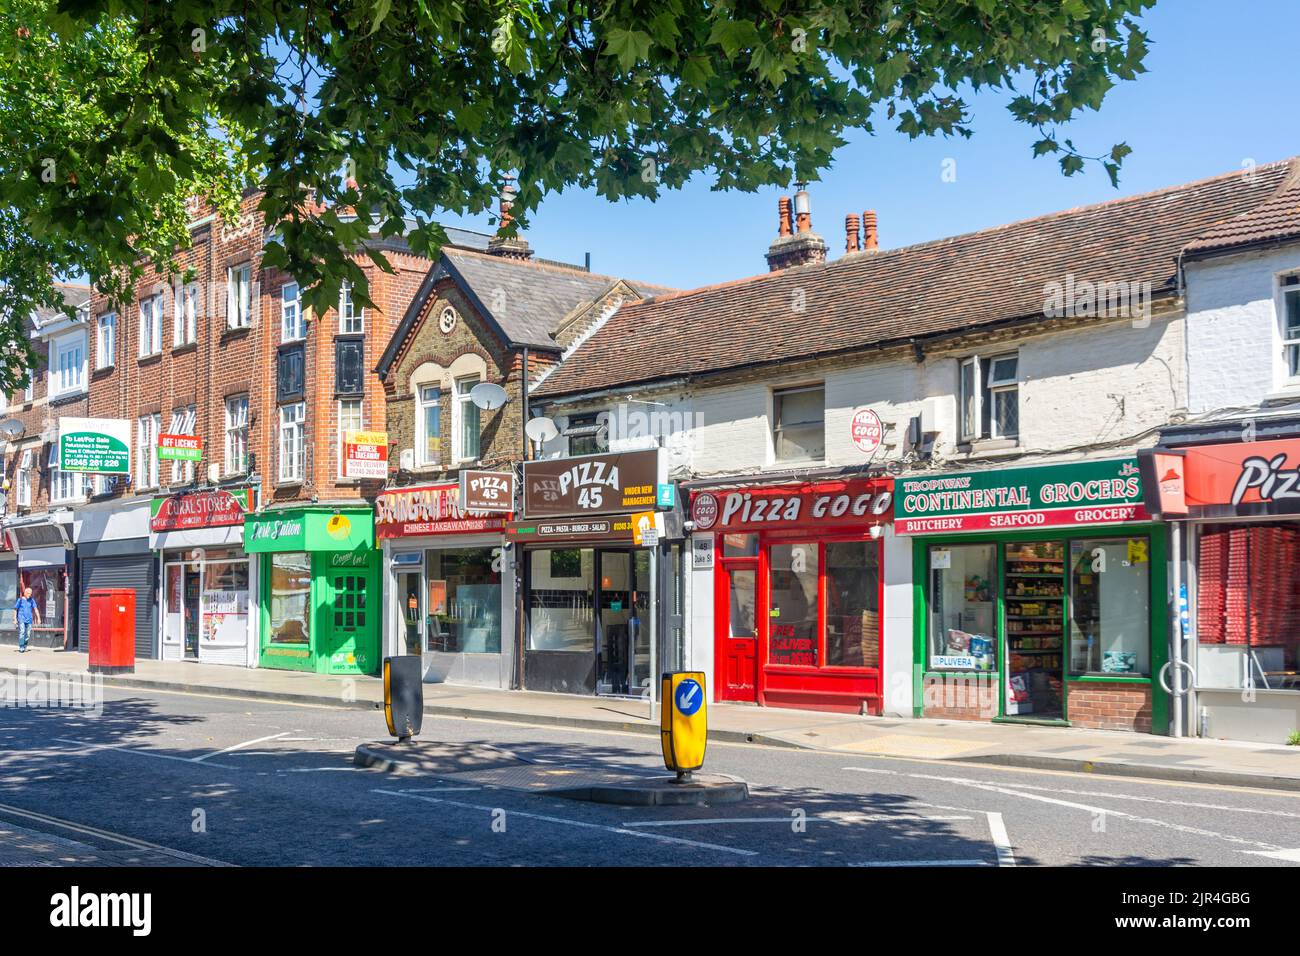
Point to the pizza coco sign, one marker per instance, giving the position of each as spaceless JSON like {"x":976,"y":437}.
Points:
{"x":861,"y":501}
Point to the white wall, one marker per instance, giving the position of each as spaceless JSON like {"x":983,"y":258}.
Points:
{"x":1234,"y":351}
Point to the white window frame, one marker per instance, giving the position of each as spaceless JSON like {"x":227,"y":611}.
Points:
{"x":239,"y":296}
{"x":185,"y":324}
{"x":68,"y":367}
{"x":776,"y":395}
{"x":23,"y":478}
{"x":1290,"y":345}
{"x":422,"y":405}
{"x":357,"y":424}
{"x":292,"y":443}
{"x":236,"y":434}
{"x":73,"y":479}
{"x":1001,"y":385}
{"x":969,"y":412}
{"x":151,"y":323}
{"x":29,"y":390}
{"x":351,"y":321}
{"x":106,"y":340}
{"x":184,"y":422}
{"x":293,"y":327}
{"x":147,"y":472}
{"x":459,"y":399}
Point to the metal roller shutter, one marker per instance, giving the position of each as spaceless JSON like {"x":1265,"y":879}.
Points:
{"x":138,"y":572}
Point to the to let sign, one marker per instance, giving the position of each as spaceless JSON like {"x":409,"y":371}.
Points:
{"x":487,"y":490}
{"x":620,"y":483}
{"x":180,"y":447}
{"x":365,"y":454}
{"x":95,"y":445}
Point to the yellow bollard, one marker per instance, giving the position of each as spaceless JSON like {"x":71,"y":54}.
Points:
{"x":683,"y":724}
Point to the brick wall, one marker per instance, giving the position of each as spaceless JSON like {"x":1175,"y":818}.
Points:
{"x":1110,"y":706}
{"x":959,"y":697}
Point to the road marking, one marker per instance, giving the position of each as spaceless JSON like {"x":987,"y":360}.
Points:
{"x":239,"y":746}
{"x":924,"y":863}
{"x":91,"y":748}
{"x":1290,"y":856}
{"x":319,"y":769}
{"x":1009,"y":791}
{"x":816,"y":818}
{"x":437,"y":789}
{"x":1174,"y":803}
{"x":86,"y":829}
{"x":573,"y":823}
{"x":1001,"y":842}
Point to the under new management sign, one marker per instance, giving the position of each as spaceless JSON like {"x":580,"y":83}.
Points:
{"x":1009,"y":499}
{"x":95,"y":445}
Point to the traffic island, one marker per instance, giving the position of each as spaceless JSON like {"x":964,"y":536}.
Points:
{"x":433,"y":757}
{"x":705,"y":789}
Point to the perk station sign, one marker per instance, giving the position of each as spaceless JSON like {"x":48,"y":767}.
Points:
{"x":199,"y":509}
{"x":1011,"y":499}
{"x":180,"y":447}
{"x":95,"y":445}
{"x":430,"y":509}
{"x":365,"y":454}
{"x":610,"y":484}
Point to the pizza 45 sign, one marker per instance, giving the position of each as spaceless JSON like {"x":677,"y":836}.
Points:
{"x":593,"y":484}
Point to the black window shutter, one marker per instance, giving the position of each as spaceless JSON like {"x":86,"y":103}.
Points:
{"x":289,"y":375}
{"x":349,"y":362}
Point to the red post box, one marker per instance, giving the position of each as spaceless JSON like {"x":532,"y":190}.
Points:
{"x":112,"y":630}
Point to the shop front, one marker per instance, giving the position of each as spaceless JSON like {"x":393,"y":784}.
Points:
{"x":1040,"y":596}
{"x":207,"y":577}
{"x":1232,"y":491}
{"x":796,"y":578}
{"x":8,"y":591}
{"x":450,"y":587}
{"x":319,"y":588}
{"x":600,"y":548}
{"x":45,"y":564}
{"x":112,"y":540}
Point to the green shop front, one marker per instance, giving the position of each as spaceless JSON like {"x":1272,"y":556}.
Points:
{"x":320,"y":581}
{"x":1040,"y":596}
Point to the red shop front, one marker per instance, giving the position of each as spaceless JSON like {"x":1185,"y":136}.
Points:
{"x":797,"y":591}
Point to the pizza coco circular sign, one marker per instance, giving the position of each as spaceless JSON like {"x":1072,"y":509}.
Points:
{"x":866,"y":431}
{"x":704,"y":509}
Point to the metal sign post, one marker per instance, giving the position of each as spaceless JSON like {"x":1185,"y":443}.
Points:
{"x":654,"y":619}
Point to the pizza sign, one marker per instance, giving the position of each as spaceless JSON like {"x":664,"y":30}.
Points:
{"x":866,"y":431}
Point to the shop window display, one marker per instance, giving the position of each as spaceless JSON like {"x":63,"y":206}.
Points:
{"x":290,"y":598}
{"x":463,"y":601}
{"x":961,"y":625}
{"x":793,"y":577}
{"x":852,"y":598}
{"x":1110,"y":607}
{"x":560,"y":596}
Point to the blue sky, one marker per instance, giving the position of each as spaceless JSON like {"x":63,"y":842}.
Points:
{"x":1220,"y":91}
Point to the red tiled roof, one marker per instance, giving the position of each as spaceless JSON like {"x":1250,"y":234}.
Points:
{"x":891,"y":296}
{"x":1276,"y":220}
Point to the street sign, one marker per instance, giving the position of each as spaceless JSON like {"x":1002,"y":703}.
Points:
{"x":683,"y":724}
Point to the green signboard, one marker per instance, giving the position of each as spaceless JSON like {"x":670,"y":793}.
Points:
{"x":310,"y":529}
{"x":95,"y":445}
{"x":1020,"y":499}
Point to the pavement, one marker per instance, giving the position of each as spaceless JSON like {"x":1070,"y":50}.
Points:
{"x":1205,"y":761}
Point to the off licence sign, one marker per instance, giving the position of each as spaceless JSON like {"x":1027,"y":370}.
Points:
{"x":180,"y":447}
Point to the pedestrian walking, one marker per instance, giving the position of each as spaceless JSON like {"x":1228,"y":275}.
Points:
{"x":25,"y":614}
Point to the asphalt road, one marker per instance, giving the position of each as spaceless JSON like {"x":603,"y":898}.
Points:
{"x":196,"y":780}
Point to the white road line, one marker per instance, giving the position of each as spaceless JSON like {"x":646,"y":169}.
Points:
{"x":319,"y":769}
{"x":239,"y":746}
{"x":1141,"y":799}
{"x":573,"y":823}
{"x":90,"y":748}
{"x":812,"y":818}
{"x":923,"y":863}
{"x":1290,"y":856}
{"x":1120,"y":814}
{"x":87,"y":830}
{"x":1001,"y":842}
{"x":436,"y":789}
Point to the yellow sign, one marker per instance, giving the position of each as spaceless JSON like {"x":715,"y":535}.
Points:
{"x":642,"y":523}
{"x":683,"y":727}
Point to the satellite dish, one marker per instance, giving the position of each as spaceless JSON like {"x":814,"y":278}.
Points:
{"x":12,"y":429}
{"x":487,"y":396}
{"x":541,"y":430}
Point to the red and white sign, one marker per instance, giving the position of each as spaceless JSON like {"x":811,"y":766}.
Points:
{"x":861,"y":502}
{"x":200,"y":509}
{"x":1024,"y":520}
{"x":365,"y":454}
{"x":1253,"y":477}
{"x":866,"y":431}
{"x":431,"y":509}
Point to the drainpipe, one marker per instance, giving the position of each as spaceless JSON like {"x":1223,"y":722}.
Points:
{"x":524,"y":422}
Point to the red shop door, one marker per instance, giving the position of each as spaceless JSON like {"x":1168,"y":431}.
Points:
{"x":736,"y":620}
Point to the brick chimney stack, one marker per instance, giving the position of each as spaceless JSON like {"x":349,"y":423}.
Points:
{"x":508,"y":247}
{"x":852,"y":226}
{"x":799,"y":247}
{"x":869,"y":239}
